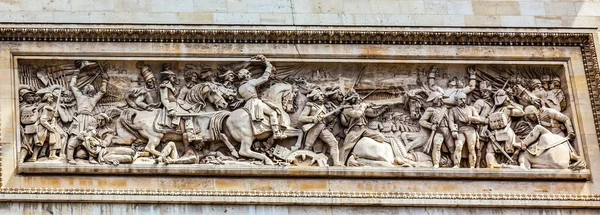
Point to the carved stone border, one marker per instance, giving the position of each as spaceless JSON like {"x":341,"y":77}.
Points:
{"x":583,"y":40}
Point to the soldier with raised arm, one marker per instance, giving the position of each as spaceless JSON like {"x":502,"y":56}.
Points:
{"x":86,"y":100}
{"x":255,"y":105}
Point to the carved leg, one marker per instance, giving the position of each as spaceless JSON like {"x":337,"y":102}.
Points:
{"x":438,"y":139}
{"x":71,"y":144}
{"x":36,"y":152}
{"x":225,"y":140}
{"x":246,"y":151}
{"x":471,"y":138}
{"x":458,"y":149}
{"x":22,"y":155}
{"x":327,"y":137}
{"x":490,"y":157}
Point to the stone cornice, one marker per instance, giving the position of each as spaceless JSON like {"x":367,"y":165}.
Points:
{"x":292,"y":36}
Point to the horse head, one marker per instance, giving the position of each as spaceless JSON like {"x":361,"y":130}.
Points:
{"x":415,"y":104}
{"x":207,"y":92}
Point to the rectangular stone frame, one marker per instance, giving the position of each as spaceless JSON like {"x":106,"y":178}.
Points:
{"x":575,"y":51}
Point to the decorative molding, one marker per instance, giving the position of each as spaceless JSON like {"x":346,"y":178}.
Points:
{"x":582,"y":40}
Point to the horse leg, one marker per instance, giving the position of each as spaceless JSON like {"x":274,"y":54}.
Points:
{"x":225,"y":140}
{"x":245,"y":150}
{"x":524,"y":162}
{"x":153,"y":141}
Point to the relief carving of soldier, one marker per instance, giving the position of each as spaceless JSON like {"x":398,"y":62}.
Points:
{"x":355,"y":121}
{"x":500,"y":134}
{"x":86,"y":100}
{"x":435,"y":118}
{"x":256,"y":107}
{"x":143,"y":98}
{"x":462,"y":121}
{"x":29,"y":119}
{"x":313,"y":116}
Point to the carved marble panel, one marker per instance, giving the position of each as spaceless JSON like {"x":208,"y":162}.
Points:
{"x":264,"y":112}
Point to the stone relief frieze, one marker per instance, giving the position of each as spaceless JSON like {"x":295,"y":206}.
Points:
{"x":257,"y":112}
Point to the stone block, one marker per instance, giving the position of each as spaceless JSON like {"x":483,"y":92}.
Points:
{"x":269,"y":6}
{"x":357,"y":6}
{"x":210,"y":6}
{"x":428,"y":20}
{"x":276,"y":19}
{"x":412,"y":7}
{"x":31,"y":5}
{"x":65,"y":17}
{"x":460,"y":8}
{"x":172,"y":6}
{"x":133,"y":6}
{"x":236,"y":6}
{"x":330,"y":6}
{"x":56,"y":5}
{"x":587,"y":8}
{"x":559,"y":8}
{"x":196,"y":18}
{"x":580,"y":21}
{"x":486,"y":21}
{"x":517,"y":21}
{"x":548,"y":21}
{"x":454,"y":20}
{"x":330,"y":19}
{"x":385,"y":6}
{"x":306,"y":19}
{"x":236,"y":18}
{"x":10,"y":5}
{"x":532,"y":8}
{"x":436,"y":7}
{"x":304,"y":6}
{"x":486,"y":8}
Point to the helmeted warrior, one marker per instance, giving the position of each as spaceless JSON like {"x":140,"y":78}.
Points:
{"x":500,"y":130}
{"x":48,"y":128}
{"x":435,"y":118}
{"x":313,"y":116}
{"x":256,"y":107}
{"x":29,"y":123}
{"x":354,"y":118}
{"x":184,"y":106}
{"x":143,"y":98}
{"x":558,"y":93}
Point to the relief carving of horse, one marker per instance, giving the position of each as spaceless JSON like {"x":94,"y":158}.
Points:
{"x":229,"y":127}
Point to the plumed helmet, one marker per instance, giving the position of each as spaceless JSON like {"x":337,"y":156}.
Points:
{"x":536,"y":82}
{"x":501,"y":96}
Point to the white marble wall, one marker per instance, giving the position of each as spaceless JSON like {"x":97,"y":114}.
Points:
{"x":471,"y":13}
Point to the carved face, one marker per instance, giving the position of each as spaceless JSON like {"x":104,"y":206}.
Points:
{"x":462,"y":101}
{"x":337,"y":96}
{"x":555,"y":85}
{"x":415,"y":106}
{"x":531,"y":117}
{"x":173,"y":79}
{"x":229,"y":76}
{"x":89,"y":90}
{"x":244,"y":74}
{"x":486,"y":94}
{"x":191,"y":77}
{"x":151,"y":84}
{"x":29,"y":98}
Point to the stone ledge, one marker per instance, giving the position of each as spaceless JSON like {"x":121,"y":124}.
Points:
{"x":314,"y":172}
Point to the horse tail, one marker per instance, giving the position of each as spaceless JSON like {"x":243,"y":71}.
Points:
{"x":126,"y":119}
{"x":216,"y":123}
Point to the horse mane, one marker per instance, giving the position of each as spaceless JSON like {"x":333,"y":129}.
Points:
{"x":195,"y":96}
